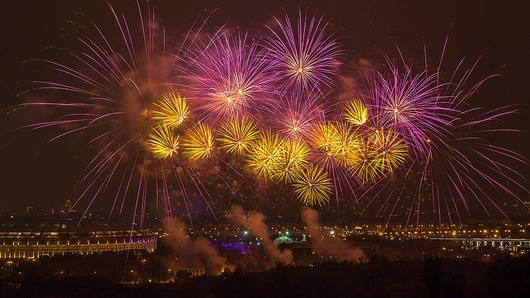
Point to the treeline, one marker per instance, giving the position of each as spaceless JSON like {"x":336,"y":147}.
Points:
{"x":432,"y":277}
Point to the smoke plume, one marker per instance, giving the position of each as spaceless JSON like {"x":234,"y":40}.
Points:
{"x":255,"y":222}
{"x":193,"y":252}
{"x":327,"y":246}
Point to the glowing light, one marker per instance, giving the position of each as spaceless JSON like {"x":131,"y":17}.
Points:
{"x":302,"y":53}
{"x":225,"y":75}
{"x":325,"y":137}
{"x":364,"y":168}
{"x":347,"y":144}
{"x":337,"y":142}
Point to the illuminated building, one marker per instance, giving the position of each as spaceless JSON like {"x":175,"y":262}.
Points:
{"x":33,"y":239}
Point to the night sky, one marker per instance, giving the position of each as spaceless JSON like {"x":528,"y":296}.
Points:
{"x":42,"y":175}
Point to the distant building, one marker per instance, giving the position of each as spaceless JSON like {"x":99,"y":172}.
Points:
{"x":283,"y":239}
{"x":193,"y":271}
{"x":32,"y":239}
{"x":68,"y":207}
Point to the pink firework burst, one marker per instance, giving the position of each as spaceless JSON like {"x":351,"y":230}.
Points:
{"x":302,"y":53}
{"x":225,"y":75}
{"x":410,"y":103}
{"x":296,"y":114}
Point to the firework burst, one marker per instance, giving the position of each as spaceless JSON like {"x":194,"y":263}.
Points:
{"x":296,"y":114}
{"x":198,"y":143}
{"x":412,"y":104}
{"x":356,"y":112}
{"x":171,"y":110}
{"x":163,"y":142}
{"x":312,"y":186}
{"x":225,"y":73}
{"x":389,"y":151}
{"x":237,"y":135}
{"x":296,"y":154}
{"x":104,"y":92}
{"x":364,"y":167}
{"x":120,"y":92}
{"x":267,"y":154}
{"x":302,"y":54}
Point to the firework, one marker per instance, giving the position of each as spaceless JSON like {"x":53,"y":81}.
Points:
{"x":296,"y":154}
{"x":171,"y":110}
{"x":364,"y":167}
{"x":237,"y":135}
{"x":325,"y":137}
{"x":163,"y":142}
{"x":225,"y":74}
{"x":356,"y":112}
{"x":198,"y":142}
{"x":266,"y":155}
{"x":468,"y":169}
{"x":454,"y":163}
{"x":313,"y":186}
{"x":302,"y":54}
{"x":297,"y":113}
{"x":104,"y":93}
{"x":347,"y":143}
{"x":406,"y":126}
{"x":412,"y":104}
{"x":337,"y":144}
{"x":389,"y":151}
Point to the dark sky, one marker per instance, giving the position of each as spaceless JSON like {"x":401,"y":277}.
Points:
{"x":39,"y":174}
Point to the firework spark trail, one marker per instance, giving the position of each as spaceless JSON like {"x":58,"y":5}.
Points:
{"x":410,"y":103}
{"x":119,"y":94}
{"x":237,"y":135}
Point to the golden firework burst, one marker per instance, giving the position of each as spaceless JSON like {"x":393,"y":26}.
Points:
{"x":312,"y":186}
{"x":237,"y":135}
{"x":163,"y":142}
{"x":295,"y":157}
{"x":198,"y":143}
{"x":266,"y":155}
{"x":171,"y":110}
{"x":356,"y":112}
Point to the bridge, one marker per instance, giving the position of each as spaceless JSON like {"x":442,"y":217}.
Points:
{"x":500,"y":243}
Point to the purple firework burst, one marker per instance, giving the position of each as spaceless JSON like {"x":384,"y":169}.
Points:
{"x":225,"y":75}
{"x":302,"y":54}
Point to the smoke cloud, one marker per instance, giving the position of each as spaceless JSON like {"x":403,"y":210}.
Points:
{"x":327,"y":246}
{"x":193,"y":252}
{"x":255,"y":222}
